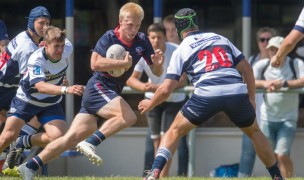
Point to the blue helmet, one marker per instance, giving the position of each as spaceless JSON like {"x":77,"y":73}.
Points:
{"x":39,"y":11}
{"x":3,"y":31}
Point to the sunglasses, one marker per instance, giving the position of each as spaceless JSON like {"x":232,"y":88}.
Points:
{"x":264,"y":39}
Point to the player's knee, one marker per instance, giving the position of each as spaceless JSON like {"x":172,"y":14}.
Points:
{"x":131,"y":119}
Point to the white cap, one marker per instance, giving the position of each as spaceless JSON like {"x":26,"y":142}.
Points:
{"x":275,"y":42}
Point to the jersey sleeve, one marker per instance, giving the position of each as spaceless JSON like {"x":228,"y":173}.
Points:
{"x":102,"y":45}
{"x":148,"y":49}
{"x":68,"y":49}
{"x":175,"y":67}
{"x":36,"y":72}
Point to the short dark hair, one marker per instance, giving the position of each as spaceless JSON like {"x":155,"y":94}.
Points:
{"x":156,"y":27}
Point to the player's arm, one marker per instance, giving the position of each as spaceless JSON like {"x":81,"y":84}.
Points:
{"x":182,"y":81}
{"x":100,"y":63}
{"x":286,"y":47}
{"x":47,"y":88}
{"x":245,"y":69}
{"x":161,"y":94}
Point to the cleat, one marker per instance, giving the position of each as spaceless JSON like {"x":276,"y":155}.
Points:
{"x":152,"y":175}
{"x":13,"y":156}
{"x":10,"y":172}
{"x":88,"y":150}
{"x":25,"y":172}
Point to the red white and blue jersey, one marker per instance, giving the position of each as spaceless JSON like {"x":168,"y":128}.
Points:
{"x":300,"y":22}
{"x":14,"y":60}
{"x":209,"y":60}
{"x":40,"y":68}
{"x":141,"y":47}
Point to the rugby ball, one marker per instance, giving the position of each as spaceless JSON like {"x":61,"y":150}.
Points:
{"x":116,"y":52}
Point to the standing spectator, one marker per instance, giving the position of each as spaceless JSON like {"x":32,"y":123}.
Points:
{"x":161,"y":117}
{"x":102,"y":93}
{"x":279,"y":111}
{"x":223,"y":81}
{"x":295,"y":35}
{"x":171,"y":33}
{"x":248,"y":154}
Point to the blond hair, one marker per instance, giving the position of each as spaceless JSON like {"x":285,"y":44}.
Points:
{"x":53,"y":33}
{"x":132,"y":9}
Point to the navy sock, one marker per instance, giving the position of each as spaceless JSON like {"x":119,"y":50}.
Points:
{"x":35,"y":163}
{"x":274,"y":171}
{"x":24,"y":141}
{"x":96,"y":138}
{"x":162,"y":156}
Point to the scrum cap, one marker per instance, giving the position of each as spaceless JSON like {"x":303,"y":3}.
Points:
{"x":185,"y":19}
{"x":39,"y":11}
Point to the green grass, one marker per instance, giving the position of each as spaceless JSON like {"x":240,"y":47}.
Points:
{"x":139,"y":178}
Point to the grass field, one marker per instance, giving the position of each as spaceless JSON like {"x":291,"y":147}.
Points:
{"x":139,"y":178}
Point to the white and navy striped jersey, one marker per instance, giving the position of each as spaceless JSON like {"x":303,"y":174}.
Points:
{"x":14,"y":60}
{"x":40,"y":68}
{"x":209,"y":60}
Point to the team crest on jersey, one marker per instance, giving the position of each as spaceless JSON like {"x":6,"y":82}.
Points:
{"x":37,"y":70}
{"x":139,"y":50}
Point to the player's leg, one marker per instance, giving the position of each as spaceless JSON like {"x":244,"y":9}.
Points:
{"x":244,"y":117}
{"x":82,"y":126}
{"x":118,"y":115}
{"x":180,"y":127}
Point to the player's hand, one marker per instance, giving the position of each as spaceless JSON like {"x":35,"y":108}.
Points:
{"x":75,"y":89}
{"x":275,"y":62}
{"x":128,"y":61}
{"x":158,"y":58}
{"x":144,"y":106}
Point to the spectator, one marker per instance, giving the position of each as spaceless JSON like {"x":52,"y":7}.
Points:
{"x":171,"y":33}
{"x":295,"y":35}
{"x":279,"y":111}
{"x":161,"y":117}
{"x":248,"y":154}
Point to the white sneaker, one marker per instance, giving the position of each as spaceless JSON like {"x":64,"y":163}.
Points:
{"x":88,"y":149}
{"x":25,"y":172}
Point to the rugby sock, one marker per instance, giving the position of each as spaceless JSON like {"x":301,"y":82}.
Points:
{"x":162,"y":156}
{"x":274,"y":171}
{"x":24,"y":141}
{"x":28,"y":130}
{"x":96,"y":138}
{"x":35,"y":163}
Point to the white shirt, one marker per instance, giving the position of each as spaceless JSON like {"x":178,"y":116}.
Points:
{"x":143,"y":66}
{"x":277,"y":107}
{"x":300,"y":22}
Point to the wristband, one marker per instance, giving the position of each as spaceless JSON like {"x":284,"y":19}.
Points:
{"x":64,"y":90}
